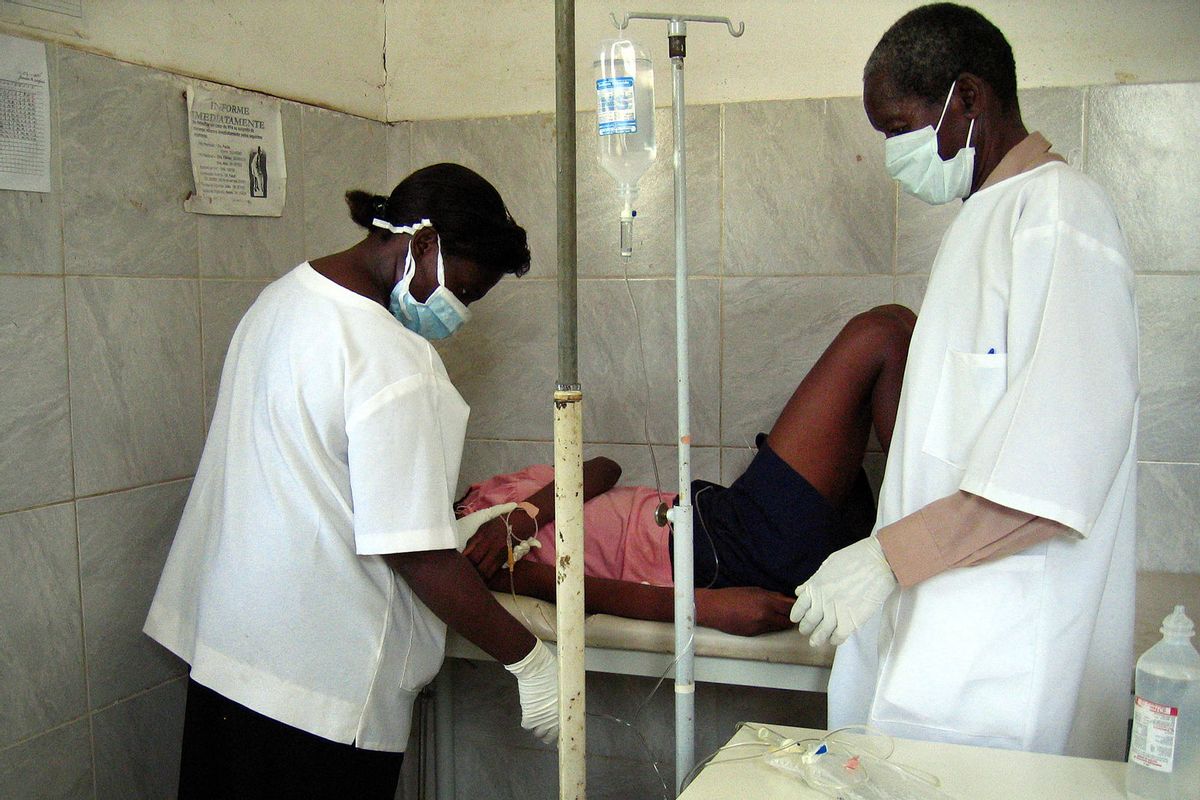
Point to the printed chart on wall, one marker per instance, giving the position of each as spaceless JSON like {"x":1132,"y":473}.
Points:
{"x":238,"y":163}
{"x":24,"y":116}
{"x":69,"y":8}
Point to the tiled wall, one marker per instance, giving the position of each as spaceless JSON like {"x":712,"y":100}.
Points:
{"x":115,"y":310}
{"x":793,"y":228}
{"x":116,"y":307}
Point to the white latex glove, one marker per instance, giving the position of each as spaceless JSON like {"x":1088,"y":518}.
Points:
{"x":466,"y":526}
{"x":537,"y":682}
{"x":851,"y":585}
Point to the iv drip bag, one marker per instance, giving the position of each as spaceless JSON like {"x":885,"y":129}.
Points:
{"x":625,"y":122}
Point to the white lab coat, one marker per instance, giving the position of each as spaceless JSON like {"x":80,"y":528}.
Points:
{"x":337,"y":437}
{"x":1021,"y":387}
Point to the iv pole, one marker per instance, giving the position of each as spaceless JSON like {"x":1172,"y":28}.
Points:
{"x":568,"y":430}
{"x":681,"y":515}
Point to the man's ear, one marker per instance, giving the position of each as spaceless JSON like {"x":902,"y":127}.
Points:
{"x":972,"y":93}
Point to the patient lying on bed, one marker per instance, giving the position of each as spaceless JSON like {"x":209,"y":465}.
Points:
{"x":803,"y":496}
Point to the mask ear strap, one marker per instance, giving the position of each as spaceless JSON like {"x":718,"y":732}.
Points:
{"x":410,"y":267}
{"x":970,"y":130}
{"x":441,"y":265}
{"x":945,"y":106}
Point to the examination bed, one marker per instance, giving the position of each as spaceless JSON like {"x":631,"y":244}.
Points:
{"x":781,"y":660}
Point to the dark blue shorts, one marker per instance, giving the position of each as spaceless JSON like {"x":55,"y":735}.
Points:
{"x":770,"y":528}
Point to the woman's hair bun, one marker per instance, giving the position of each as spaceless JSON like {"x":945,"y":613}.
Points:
{"x":365,"y":207}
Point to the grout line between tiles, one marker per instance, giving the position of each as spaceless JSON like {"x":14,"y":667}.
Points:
{"x":57,"y":727}
{"x":56,"y":146}
{"x":1084,"y":117}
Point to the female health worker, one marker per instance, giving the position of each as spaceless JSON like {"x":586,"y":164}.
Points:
{"x":314,"y":570}
{"x":1015,"y":438}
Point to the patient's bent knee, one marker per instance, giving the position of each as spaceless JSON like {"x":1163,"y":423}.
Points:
{"x":883,"y":328}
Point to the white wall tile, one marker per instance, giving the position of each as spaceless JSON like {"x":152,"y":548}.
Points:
{"x":483,"y":458}
{"x":137,"y":744}
{"x":124,"y":539}
{"x":630,"y":383}
{"x":919,"y":231}
{"x":126,"y":170}
{"x":1169,"y":319}
{"x":42,"y":655}
{"x":1169,"y":517}
{"x":1141,"y":145}
{"x":55,"y":766}
{"x":804,"y":190}
{"x":35,"y":461}
{"x":638,"y":469}
{"x":340,"y":153}
{"x":136,"y":389}
{"x":222,"y":305}
{"x":775,"y":329}
{"x":910,"y":291}
{"x":505,"y":361}
{"x":32,"y":240}
{"x":399,"y":153}
{"x":1056,"y":113}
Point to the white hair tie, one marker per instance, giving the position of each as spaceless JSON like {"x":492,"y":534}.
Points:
{"x":409,"y":229}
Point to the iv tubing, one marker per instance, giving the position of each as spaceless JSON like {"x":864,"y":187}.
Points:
{"x":685,"y":600}
{"x":568,"y":430}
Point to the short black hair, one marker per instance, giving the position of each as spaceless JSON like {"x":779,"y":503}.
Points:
{"x":467,"y":212}
{"x":927,"y":49}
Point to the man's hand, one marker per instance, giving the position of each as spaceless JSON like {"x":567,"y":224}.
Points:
{"x":742,"y":610}
{"x":849,"y":588}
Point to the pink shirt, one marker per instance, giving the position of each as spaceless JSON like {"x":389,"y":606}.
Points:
{"x":621,"y":540}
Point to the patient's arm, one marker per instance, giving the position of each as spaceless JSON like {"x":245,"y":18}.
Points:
{"x":742,"y":610}
{"x":488,"y":548}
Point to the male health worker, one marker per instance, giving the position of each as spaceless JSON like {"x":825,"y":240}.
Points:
{"x":994,"y":604}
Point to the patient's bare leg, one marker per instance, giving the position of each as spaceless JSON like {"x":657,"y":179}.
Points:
{"x":822,"y":432}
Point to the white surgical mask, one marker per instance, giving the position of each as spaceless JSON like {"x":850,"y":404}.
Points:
{"x":442,"y":313}
{"x":912,"y":159}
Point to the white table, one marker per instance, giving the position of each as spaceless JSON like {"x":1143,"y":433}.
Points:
{"x":966,"y":773}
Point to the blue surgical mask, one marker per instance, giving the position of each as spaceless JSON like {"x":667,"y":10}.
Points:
{"x":442,"y":313}
{"x":912,"y":159}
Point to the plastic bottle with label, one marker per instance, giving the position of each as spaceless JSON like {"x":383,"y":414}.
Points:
{"x":625,"y":121}
{"x":1164,"y":751}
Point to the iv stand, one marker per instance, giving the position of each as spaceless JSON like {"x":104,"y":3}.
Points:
{"x":568,"y":430}
{"x":681,"y":515}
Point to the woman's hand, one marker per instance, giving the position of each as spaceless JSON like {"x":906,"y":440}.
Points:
{"x":743,"y":610}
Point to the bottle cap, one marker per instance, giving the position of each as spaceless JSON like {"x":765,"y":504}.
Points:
{"x":1178,"y":625}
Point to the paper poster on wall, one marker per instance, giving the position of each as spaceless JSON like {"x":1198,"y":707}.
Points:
{"x":24,"y":116}
{"x":238,"y":163}
{"x":70,"y":8}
